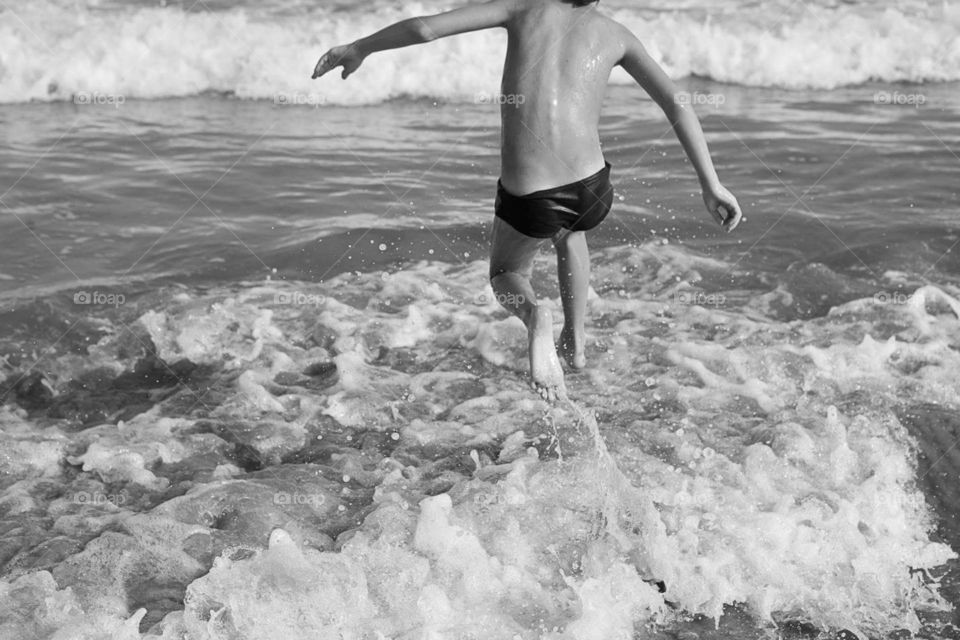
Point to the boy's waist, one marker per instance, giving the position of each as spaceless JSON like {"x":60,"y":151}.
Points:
{"x":600,"y":177}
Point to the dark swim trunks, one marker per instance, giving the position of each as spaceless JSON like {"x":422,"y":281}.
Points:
{"x":578,"y":206}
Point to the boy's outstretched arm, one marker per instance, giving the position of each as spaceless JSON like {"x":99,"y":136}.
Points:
{"x":721,"y":204}
{"x":493,"y":13}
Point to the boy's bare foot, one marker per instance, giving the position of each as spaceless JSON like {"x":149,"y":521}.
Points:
{"x":545,"y":370}
{"x":571,"y":348}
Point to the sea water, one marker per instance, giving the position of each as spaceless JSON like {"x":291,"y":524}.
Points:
{"x":257,"y":385}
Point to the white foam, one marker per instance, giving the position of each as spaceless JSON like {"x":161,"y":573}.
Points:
{"x":106,"y":56}
{"x":23,"y":450}
{"x":735,"y":465}
{"x":34,"y":608}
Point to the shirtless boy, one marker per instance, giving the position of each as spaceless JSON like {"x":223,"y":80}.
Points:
{"x":555,"y":183}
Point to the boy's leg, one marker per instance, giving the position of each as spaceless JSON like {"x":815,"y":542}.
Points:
{"x":511,"y":265}
{"x":573,"y":274}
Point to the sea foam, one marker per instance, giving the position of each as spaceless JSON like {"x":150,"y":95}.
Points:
{"x":429,"y":493}
{"x":107,"y":56}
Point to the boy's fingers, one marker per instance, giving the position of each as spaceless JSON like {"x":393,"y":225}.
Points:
{"x":319,"y":70}
{"x":719,"y":217}
{"x":734,"y":219}
{"x":325,"y":64}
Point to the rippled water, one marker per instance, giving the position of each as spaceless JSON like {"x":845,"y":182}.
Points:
{"x":202,"y":187}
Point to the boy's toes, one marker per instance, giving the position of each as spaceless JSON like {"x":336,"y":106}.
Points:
{"x":548,"y":394}
{"x":542,"y":391}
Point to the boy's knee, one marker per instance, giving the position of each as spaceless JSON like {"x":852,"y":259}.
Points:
{"x":498,"y":271}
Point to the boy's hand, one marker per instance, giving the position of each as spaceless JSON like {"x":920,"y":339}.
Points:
{"x":723,"y":207}
{"x":347,"y":56}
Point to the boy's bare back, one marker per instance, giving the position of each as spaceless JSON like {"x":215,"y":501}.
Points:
{"x":559,"y":58}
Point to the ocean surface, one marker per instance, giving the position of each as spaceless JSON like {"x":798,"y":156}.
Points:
{"x":255,"y":384}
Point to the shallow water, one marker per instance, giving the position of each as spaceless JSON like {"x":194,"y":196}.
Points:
{"x":256,"y":385}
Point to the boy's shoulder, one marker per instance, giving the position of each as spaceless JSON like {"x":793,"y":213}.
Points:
{"x":604,"y":25}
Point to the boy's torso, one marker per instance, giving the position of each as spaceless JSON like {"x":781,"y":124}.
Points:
{"x":558,"y":62}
